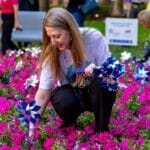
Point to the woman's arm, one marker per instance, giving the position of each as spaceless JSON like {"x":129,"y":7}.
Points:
{"x":42,"y":97}
{"x":16,"y":17}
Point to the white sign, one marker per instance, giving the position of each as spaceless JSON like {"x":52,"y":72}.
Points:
{"x":121,"y":31}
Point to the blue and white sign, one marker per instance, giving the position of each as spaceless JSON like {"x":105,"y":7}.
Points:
{"x":121,"y":31}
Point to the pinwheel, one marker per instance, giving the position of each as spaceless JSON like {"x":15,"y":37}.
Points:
{"x":31,"y":81}
{"x":142,"y":73}
{"x":28,"y":116}
{"x":108,"y":73}
{"x":28,"y":113}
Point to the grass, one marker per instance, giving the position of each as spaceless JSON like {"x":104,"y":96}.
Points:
{"x":136,"y":51}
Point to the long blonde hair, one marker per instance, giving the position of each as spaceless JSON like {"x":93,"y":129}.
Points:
{"x":61,"y":18}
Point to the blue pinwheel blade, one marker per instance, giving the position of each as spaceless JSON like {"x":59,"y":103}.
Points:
{"x":97,"y":71}
{"x":24,"y":105}
{"x":19,"y":109}
{"x":33,"y":120}
{"x":78,"y":70}
{"x":36,"y":108}
{"x":32,"y":103}
{"x":37,"y":116}
{"x":22,"y":119}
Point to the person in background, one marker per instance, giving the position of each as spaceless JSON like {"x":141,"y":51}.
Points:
{"x":74,"y":8}
{"x":66,"y":47}
{"x":144,"y":19}
{"x":126,"y":7}
{"x":135,"y":8}
{"x":10,"y":20}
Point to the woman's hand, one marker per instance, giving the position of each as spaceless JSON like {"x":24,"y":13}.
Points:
{"x":89,"y":69}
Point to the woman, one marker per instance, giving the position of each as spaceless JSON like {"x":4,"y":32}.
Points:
{"x":9,"y":14}
{"x":64,"y":49}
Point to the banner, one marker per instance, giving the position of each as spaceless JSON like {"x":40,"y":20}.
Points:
{"x":121,"y":31}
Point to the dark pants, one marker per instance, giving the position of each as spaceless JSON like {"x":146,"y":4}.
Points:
{"x":7,"y":27}
{"x":69,"y":102}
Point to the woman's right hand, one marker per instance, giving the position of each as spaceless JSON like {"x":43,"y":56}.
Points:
{"x":89,"y":70}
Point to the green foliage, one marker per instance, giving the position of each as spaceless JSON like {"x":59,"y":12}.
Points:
{"x":147,"y":145}
{"x":133,"y":104}
{"x":58,"y":146}
{"x":6,"y":117}
{"x":4,"y":92}
{"x":146,"y":134}
{"x":5,"y":78}
{"x":85,"y":119}
{"x":5,"y":138}
{"x":82,"y":138}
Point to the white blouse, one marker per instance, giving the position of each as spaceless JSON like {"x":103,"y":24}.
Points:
{"x":96,"y":51}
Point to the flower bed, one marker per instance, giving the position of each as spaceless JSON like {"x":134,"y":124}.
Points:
{"x":129,"y":124}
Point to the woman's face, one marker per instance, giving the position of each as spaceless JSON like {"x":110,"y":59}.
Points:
{"x":59,"y":37}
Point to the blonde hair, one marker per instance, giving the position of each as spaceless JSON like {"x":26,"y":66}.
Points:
{"x":61,"y":18}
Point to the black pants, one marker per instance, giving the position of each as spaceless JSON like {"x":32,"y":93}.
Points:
{"x":69,"y":102}
{"x":7,"y":27}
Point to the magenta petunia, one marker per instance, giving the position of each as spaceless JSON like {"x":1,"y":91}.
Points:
{"x":5,"y":105}
{"x":3,"y":128}
{"x":48,"y":143}
{"x":129,"y":123}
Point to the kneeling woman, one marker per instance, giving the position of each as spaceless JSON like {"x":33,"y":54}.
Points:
{"x":66,"y":47}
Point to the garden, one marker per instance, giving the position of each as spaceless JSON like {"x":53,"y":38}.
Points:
{"x":130,"y":119}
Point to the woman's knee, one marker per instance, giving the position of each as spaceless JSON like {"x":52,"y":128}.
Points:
{"x":65,"y":102}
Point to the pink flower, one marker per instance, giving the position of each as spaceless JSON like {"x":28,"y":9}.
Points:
{"x":5,"y":147}
{"x":49,"y":143}
{"x":148,"y":123}
{"x":5,"y":105}
{"x":3,"y":128}
{"x":48,"y":129}
{"x":16,"y":147}
{"x":124,"y":145}
{"x":17,"y":137}
{"x":139,"y":141}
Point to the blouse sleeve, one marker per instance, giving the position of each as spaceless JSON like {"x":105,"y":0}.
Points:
{"x":102,"y":51}
{"x":46,"y":78}
{"x":97,"y":49}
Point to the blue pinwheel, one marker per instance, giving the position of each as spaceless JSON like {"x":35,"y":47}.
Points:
{"x":28,"y":113}
{"x":142,"y":73}
{"x":108,"y":73}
